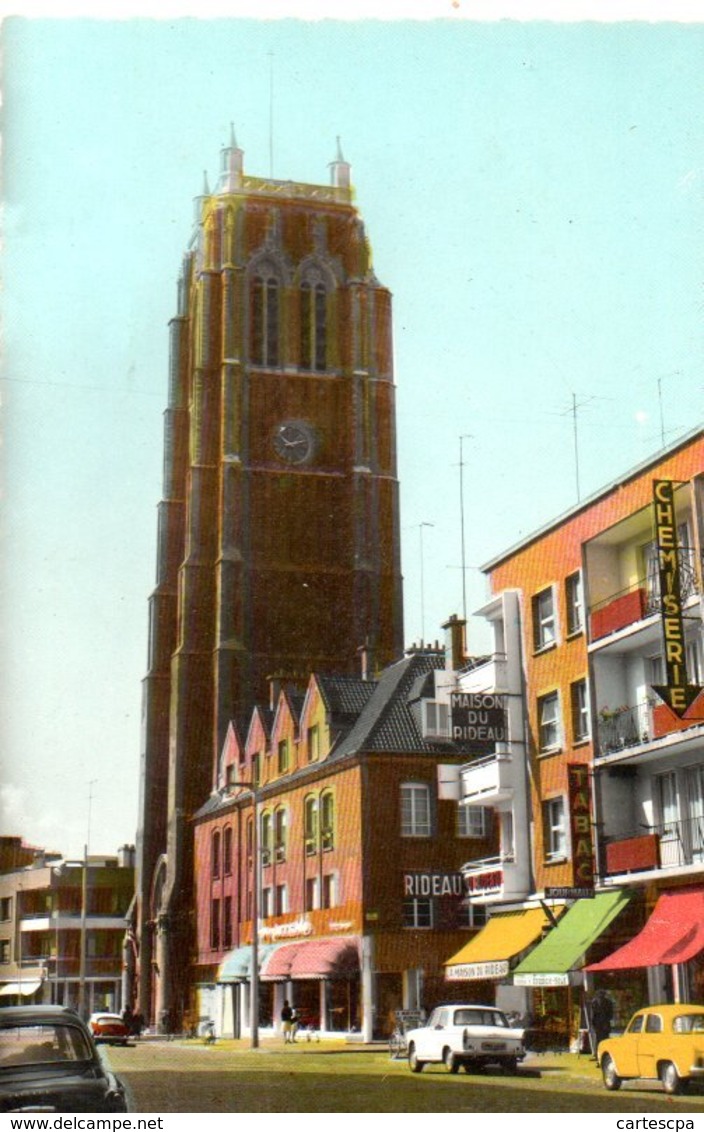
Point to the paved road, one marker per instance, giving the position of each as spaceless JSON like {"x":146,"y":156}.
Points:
{"x":228,"y":1077}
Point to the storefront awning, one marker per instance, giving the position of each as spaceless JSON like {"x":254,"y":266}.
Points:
{"x":27,"y":987}
{"x":237,"y":965}
{"x":555,"y":956}
{"x":673,"y":934}
{"x":487,"y":955}
{"x":314,"y":959}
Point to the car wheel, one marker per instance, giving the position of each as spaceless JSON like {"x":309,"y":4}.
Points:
{"x":414,"y":1063}
{"x":450,"y":1061}
{"x":612,"y":1080}
{"x":671,"y":1081}
{"x":511,"y":1065}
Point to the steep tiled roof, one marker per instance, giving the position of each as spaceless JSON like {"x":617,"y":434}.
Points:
{"x":390,"y":722}
{"x":345,"y":696}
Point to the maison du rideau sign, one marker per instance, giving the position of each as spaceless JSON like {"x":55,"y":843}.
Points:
{"x":478,"y":720}
{"x":677,"y":693}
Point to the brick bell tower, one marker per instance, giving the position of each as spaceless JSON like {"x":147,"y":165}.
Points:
{"x":278,"y":532}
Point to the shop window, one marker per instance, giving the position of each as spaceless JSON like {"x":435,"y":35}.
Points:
{"x":574,"y":602}
{"x":418,"y":912}
{"x":555,"y":829}
{"x":472,"y":821}
{"x":544,"y":621}
{"x":580,"y":711}
{"x":549,"y":722}
{"x":415,"y":809}
{"x":310,"y":812}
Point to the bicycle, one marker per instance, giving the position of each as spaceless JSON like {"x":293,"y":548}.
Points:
{"x":398,"y":1046}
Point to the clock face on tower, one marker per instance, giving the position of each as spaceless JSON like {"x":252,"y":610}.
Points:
{"x":294,"y":442}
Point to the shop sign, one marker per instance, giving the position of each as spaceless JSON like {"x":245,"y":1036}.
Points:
{"x":478,"y":719}
{"x":496,"y":969}
{"x":541,"y":980}
{"x":286,"y":931}
{"x":580,"y":823}
{"x":569,"y":892}
{"x":434,"y":884}
{"x":482,"y":884}
{"x":678,"y":693}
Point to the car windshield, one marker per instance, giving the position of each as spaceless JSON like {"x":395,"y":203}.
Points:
{"x":35,"y":1045}
{"x":477,"y":1017}
{"x":688,"y":1024}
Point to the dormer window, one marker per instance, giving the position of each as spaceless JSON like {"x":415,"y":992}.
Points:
{"x":436,"y":719}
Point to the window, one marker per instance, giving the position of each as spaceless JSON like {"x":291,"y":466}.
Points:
{"x":265,"y":910}
{"x":215,"y":925}
{"x":4,"y":951}
{"x":471,"y":915}
{"x":555,"y":833}
{"x":415,"y":809}
{"x":257,"y":769}
{"x":283,"y":756}
{"x":329,"y":891}
{"x":266,"y":838}
{"x":544,"y":627}
{"x":6,"y":908}
{"x":313,"y":326}
{"x":655,"y":670}
{"x":549,"y":722}
{"x":313,"y":743}
{"x":281,"y":900}
{"x":580,"y":711}
{"x":472,"y":821}
{"x":437,"y":718}
{"x":418,"y":912}
{"x":667,"y":802}
{"x":310,"y":819}
{"x":312,"y":894}
{"x":227,"y":922}
{"x":227,"y":850}
{"x":575,"y":603}
{"x":327,"y":820}
{"x":215,"y":855}
{"x":280,"y":833}
{"x":264,"y":299}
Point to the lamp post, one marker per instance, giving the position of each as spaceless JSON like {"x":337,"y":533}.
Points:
{"x":256,"y":879}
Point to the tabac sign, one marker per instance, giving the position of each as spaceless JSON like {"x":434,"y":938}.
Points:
{"x":580,"y":823}
{"x":478,"y":720}
{"x":678,"y":693}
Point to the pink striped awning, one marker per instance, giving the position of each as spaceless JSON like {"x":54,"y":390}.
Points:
{"x":314,"y":959}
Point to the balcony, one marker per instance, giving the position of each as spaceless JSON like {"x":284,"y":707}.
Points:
{"x":485,"y":674}
{"x":624,"y":728}
{"x":640,"y":601}
{"x":668,"y":845}
{"x":493,"y":879}
{"x":488,"y":781}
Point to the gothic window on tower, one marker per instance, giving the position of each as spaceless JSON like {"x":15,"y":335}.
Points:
{"x":264,"y":313}
{"x":313,"y":325}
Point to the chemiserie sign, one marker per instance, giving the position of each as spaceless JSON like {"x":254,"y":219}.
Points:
{"x":452,"y":884}
{"x":478,"y":719}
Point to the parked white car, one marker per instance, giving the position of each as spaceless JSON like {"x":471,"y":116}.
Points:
{"x":471,"y":1036}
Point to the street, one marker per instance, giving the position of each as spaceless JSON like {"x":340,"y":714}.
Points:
{"x":333,"y":1077}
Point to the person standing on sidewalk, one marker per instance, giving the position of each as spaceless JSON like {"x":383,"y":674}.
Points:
{"x":287,"y":1021}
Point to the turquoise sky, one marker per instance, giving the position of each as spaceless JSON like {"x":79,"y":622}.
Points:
{"x":533,"y":194}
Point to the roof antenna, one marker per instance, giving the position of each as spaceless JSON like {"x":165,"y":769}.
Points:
{"x":271,"y":114}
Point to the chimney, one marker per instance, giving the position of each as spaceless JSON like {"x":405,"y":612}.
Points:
{"x":455,"y":643}
{"x":274,"y":690}
{"x":366,"y":658}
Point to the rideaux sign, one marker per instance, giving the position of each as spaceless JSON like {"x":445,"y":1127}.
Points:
{"x":478,"y":719}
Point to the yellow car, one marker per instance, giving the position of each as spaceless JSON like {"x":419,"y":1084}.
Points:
{"x":660,"y":1043}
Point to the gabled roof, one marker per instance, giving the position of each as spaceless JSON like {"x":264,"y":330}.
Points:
{"x":345,"y":697}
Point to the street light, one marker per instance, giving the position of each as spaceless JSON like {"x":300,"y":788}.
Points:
{"x":256,"y":868}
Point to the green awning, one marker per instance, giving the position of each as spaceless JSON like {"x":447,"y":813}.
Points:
{"x":565,"y":945}
{"x":237,"y":964}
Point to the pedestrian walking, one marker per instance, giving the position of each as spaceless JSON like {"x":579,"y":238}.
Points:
{"x":295,"y":1023}
{"x":602,"y":1013}
{"x":287,"y":1021}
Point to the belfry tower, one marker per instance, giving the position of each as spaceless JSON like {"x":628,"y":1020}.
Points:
{"x":278,"y":533}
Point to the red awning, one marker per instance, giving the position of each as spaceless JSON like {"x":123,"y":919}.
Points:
{"x":314,"y":959}
{"x":673,"y":934}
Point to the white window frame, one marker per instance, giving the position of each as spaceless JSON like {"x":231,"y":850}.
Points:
{"x":472,"y":821}
{"x":312,"y":893}
{"x":574,"y":598}
{"x":416,"y":911}
{"x":554,"y":722}
{"x":581,"y":720}
{"x":436,"y":718}
{"x":413,"y":823}
{"x":544,"y":619}
{"x":555,"y":819}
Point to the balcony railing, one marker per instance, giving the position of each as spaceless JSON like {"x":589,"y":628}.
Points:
{"x":666,"y":845}
{"x":623,"y":727}
{"x":641,"y":600}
